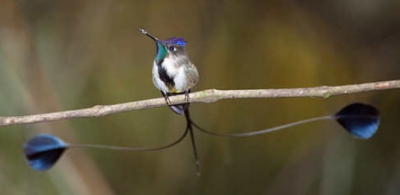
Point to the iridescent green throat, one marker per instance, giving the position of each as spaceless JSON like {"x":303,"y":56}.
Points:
{"x":161,"y":52}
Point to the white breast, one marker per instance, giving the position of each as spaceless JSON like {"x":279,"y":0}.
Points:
{"x":173,"y":71}
{"x":157,"y":81}
{"x":171,"y":67}
{"x":181,"y":80}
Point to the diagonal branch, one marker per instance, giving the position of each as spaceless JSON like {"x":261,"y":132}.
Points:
{"x":206,"y":96}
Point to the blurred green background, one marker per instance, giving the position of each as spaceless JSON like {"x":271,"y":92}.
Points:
{"x":59,"y":55}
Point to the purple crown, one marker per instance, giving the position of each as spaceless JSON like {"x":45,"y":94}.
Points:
{"x":176,"y":41}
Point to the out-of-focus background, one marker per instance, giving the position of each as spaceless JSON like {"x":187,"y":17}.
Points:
{"x":60,"y":55}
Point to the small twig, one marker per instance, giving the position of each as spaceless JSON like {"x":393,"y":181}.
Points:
{"x":206,"y":96}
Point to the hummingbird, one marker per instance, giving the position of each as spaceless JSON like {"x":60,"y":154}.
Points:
{"x":174,"y":74}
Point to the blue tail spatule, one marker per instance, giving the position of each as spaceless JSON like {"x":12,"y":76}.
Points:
{"x":360,"y":120}
{"x":44,"y":150}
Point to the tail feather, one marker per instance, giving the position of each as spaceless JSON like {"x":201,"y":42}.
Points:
{"x":183,"y":109}
{"x":190,"y":128}
{"x":180,"y":108}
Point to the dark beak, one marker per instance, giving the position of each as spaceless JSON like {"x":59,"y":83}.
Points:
{"x":149,"y":35}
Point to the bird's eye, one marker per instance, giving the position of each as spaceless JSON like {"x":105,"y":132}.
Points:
{"x":172,"y":48}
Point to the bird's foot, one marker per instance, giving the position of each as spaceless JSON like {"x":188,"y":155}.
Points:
{"x":166,"y":97}
{"x":187,"y":95}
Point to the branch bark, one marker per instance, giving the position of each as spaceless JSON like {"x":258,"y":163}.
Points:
{"x":206,"y":96}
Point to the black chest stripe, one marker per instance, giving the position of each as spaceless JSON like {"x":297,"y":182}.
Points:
{"x":164,"y":76}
